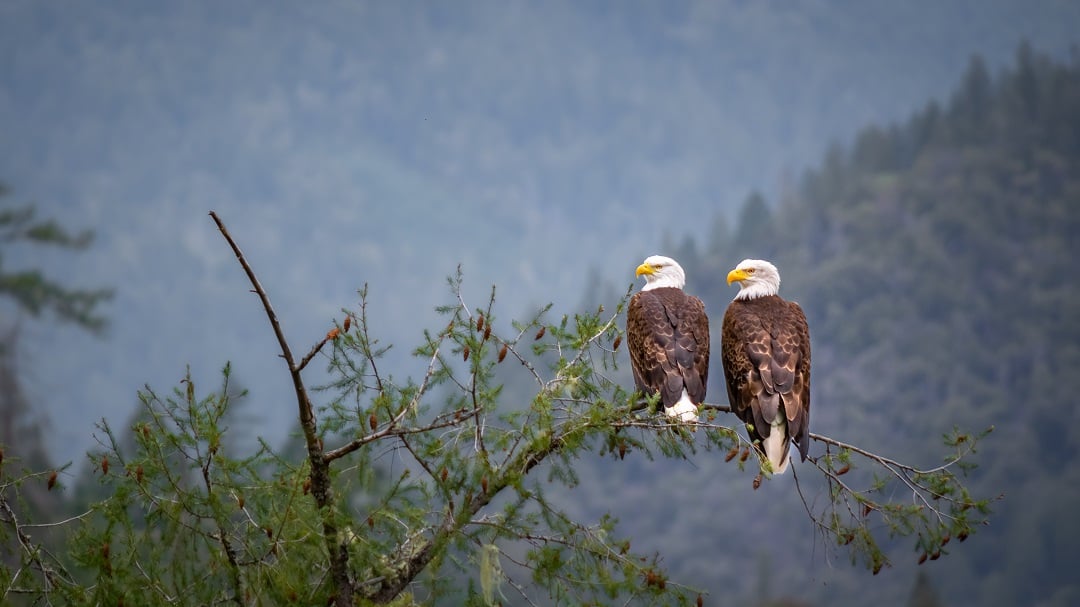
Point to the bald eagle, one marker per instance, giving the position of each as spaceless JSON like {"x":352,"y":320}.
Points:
{"x":667,"y":333}
{"x":765,"y":346}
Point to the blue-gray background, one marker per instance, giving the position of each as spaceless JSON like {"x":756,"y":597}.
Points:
{"x":540,"y":145}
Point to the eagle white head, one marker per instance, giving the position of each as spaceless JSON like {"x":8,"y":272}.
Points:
{"x":660,"y":271}
{"x":756,"y":278}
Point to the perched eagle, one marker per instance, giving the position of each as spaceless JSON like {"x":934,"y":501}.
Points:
{"x":667,"y":333}
{"x":765,"y":345}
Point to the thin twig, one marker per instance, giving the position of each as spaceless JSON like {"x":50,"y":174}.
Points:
{"x":52,"y":578}
{"x":57,"y":523}
{"x":310,"y":355}
{"x":369,"y":352}
{"x":890,"y":462}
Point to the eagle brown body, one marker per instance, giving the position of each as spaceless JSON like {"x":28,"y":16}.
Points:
{"x":765,"y":348}
{"x":667,"y":334}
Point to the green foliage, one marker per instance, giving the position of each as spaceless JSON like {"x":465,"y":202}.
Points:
{"x":428,"y":481}
{"x":940,"y":506}
{"x":185,"y":520}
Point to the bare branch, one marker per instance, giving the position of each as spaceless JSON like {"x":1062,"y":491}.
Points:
{"x":310,"y":355}
{"x":321,"y":488}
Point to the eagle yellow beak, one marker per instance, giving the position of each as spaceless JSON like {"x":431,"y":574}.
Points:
{"x":736,"y":275}
{"x":645,"y":269}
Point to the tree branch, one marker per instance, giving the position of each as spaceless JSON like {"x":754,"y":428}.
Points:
{"x":310,"y":355}
{"x":33,"y":551}
{"x":320,"y":474}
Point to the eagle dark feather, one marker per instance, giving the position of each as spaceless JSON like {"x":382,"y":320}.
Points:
{"x":668,"y":334}
{"x":765,"y":347}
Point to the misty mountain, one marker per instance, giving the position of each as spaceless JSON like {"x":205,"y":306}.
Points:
{"x":933,"y":259}
{"x":354,"y":143}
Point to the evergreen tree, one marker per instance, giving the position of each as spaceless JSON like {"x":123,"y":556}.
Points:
{"x":923,"y":593}
{"x":465,"y":516}
{"x":23,"y":454}
{"x":939,"y":289}
{"x":29,"y":288}
{"x":754,"y":238}
{"x":934,"y":262}
{"x":33,"y":293}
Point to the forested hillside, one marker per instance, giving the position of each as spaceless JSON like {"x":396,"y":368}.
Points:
{"x":386,"y":142}
{"x":934,"y":256}
{"x":935,"y":260}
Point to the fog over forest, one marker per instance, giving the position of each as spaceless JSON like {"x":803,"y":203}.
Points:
{"x":547,"y":151}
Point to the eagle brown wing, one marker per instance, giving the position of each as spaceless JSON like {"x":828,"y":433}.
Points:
{"x":668,"y":338}
{"x":765,"y":349}
{"x":797,"y":402}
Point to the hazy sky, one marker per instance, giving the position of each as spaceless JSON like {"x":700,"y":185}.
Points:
{"x":385,"y":143}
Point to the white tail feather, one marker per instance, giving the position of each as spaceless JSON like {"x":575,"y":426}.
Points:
{"x":776,"y":446}
{"x":684,"y":410}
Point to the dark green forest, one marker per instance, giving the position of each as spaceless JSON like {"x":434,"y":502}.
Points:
{"x":934,"y":260}
{"x":936,"y":263}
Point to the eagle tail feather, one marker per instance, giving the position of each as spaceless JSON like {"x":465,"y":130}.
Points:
{"x":776,"y":446}
{"x":684,"y":410}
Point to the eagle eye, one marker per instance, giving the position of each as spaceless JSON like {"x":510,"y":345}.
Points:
{"x":749,"y":270}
